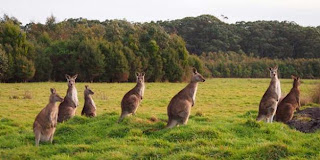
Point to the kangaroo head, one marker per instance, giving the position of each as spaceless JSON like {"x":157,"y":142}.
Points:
{"x":296,"y":81}
{"x":54,"y":97}
{"x":71,"y":80}
{"x":273,"y":71}
{"x":197,"y":77}
{"x":87,"y":90}
{"x":140,"y":77}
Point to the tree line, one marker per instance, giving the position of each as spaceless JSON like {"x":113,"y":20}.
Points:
{"x":272,"y":39}
{"x":235,"y":65}
{"x":113,"y":50}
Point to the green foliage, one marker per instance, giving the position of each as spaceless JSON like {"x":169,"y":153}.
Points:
{"x":24,"y":68}
{"x":113,"y":50}
{"x":3,"y":64}
{"x":239,"y":65}
{"x":270,"y":39}
{"x":90,"y":61}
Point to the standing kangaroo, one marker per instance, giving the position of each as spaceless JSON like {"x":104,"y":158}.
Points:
{"x":45,"y":123}
{"x":67,"y":108}
{"x":290,"y":103}
{"x":133,"y":98}
{"x":270,"y":99}
{"x":180,"y":105}
{"x":89,"y":108}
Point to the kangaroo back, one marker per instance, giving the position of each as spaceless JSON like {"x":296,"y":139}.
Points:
{"x":89,"y":108}
{"x":45,"y":122}
{"x":180,"y":105}
{"x":290,"y":103}
{"x":132,"y":99}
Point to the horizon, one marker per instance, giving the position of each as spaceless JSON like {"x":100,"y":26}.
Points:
{"x":302,"y":13}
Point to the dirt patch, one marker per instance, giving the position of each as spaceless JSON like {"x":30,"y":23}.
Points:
{"x":307,"y":120}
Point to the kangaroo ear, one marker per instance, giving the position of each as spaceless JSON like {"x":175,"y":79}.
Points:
{"x":275,"y":67}
{"x":52,"y":90}
{"x":86,"y":86}
{"x":270,"y":68}
{"x":293,"y":77}
{"x":194,"y":70}
{"x":75,"y":76}
{"x":67,"y":76}
{"x":142,"y":74}
{"x":137,"y":74}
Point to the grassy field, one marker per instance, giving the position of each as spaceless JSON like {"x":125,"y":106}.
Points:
{"x":222,"y":124}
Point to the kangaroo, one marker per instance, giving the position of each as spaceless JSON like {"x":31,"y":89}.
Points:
{"x":270,"y":99}
{"x":180,"y":105}
{"x":67,"y":108}
{"x":45,"y":123}
{"x":89,"y":108}
{"x":290,"y":103}
{"x":133,"y":98}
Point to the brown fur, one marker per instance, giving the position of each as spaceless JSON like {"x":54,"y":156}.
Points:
{"x":270,"y":99}
{"x":45,"y":123}
{"x":89,"y":108}
{"x":180,"y":105}
{"x":290,"y":103}
{"x":67,"y":108}
{"x":133,"y":98}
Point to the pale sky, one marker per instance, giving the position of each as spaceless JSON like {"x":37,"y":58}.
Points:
{"x":303,"y":12}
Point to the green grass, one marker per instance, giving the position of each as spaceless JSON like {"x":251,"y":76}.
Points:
{"x":222,"y":124}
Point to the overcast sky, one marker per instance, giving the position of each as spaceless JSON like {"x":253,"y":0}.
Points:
{"x":303,"y":12}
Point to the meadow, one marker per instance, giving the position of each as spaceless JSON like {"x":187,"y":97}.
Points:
{"x":221,"y":126}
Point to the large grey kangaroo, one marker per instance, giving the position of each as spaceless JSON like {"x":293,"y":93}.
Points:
{"x":180,"y":105}
{"x":270,"y":99}
{"x":67,"y":109}
{"x":133,"y":98}
{"x":89,"y":108}
{"x":45,"y":123}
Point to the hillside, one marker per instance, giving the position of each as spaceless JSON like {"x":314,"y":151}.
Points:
{"x":222,"y":124}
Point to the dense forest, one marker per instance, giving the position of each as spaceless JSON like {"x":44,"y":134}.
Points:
{"x":113,"y":50}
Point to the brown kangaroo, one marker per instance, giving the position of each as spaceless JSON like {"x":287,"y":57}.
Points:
{"x":67,"y":109}
{"x":45,"y":123}
{"x":270,"y":99}
{"x":89,"y":108}
{"x":180,"y":105}
{"x":290,"y":103}
{"x":133,"y":98}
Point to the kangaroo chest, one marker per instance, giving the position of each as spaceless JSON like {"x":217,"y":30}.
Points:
{"x":90,"y":101}
{"x":278,"y":89}
{"x":73,"y":95}
{"x":142,"y":91}
{"x":193,"y":93}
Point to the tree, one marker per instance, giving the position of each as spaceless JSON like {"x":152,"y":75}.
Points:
{"x":4,"y":65}
{"x":24,"y":68}
{"x":90,"y":61}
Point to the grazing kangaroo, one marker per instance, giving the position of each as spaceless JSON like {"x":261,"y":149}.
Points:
{"x":89,"y":108}
{"x":45,"y":123}
{"x":133,"y":98}
{"x":180,"y":105}
{"x":290,"y":103}
{"x":67,"y":108}
{"x":270,"y":99}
